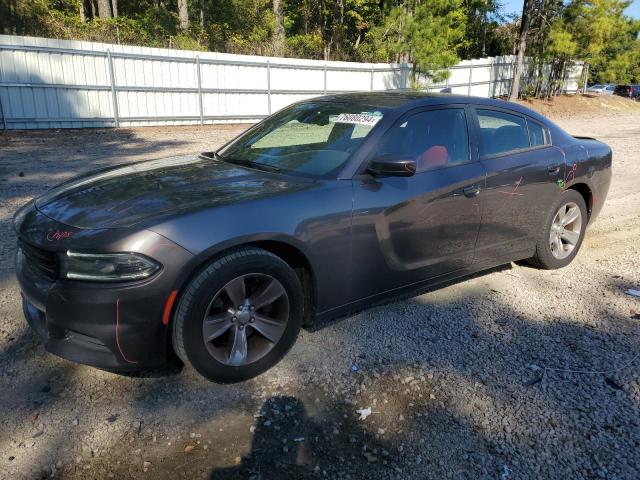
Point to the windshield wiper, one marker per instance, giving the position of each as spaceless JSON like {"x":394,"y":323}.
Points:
{"x":264,"y":166}
{"x":250,"y":164}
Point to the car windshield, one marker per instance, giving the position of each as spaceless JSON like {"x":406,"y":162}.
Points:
{"x":311,"y":139}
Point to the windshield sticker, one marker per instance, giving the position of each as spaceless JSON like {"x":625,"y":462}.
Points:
{"x":359,"y":118}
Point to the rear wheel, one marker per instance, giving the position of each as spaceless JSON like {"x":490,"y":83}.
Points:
{"x":239,"y":316}
{"x":562,"y":233}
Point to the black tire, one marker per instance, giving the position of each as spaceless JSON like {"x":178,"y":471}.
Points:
{"x":544,"y":257}
{"x":188,"y":339}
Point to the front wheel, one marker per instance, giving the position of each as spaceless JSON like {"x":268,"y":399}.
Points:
{"x":239,"y":316}
{"x":562,"y":232}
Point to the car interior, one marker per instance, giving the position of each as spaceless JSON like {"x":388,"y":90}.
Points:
{"x":434,"y":139}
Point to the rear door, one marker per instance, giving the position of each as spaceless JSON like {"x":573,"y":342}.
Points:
{"x":408,"y":229}
{"x":524,"y":175}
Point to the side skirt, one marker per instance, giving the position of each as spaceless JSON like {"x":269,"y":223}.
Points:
{"x":403,"y":293}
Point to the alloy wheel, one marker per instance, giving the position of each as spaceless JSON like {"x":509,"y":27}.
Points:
{"x":565,"y":231}
{"x":245,"y":319}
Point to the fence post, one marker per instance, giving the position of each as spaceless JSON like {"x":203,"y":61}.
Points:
{"x":201,"y":110}
{"x":4,"y":122}
{"x":470,"y":79}
{"x":268,"y":87}
{"x":325,"y":78}
{"x":114,"y":96}
{"x":371,"y":80}
{"x":405,"y":77}
{"x":490,"y":93}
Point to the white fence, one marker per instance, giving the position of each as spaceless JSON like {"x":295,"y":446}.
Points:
{"x":48,"y":83}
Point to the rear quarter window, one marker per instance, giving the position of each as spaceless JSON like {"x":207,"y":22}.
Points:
{"x":537,"y":134}
{"x":501,"y":132}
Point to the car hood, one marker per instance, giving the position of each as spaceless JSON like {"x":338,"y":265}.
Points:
{"x":125,"y":195}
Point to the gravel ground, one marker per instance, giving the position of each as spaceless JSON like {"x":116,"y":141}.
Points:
{"x":513,"y":374}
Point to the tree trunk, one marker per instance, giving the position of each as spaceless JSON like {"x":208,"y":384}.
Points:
{"x":539,"y":77}
{"x":114,"y":8}
{"x":104,"y":9}
{"x":522,"y":46}
{"x":484,"y":30}
{"x":183,"y":14}
{"x":83,"y":18}
{"x":585,"y":74}
{"x":278,"y":35}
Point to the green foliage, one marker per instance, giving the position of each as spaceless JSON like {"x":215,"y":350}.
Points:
{"x":431,"y":34}
{"x":321,"y":29}
{"x":605,"y":38}
{"x":427,"y":34}
{"x":560,"y":42}
{"x":307,"y":45}
{"x":486,"y":34}
{"x":436,"y":31}
{"x":619,"y":61}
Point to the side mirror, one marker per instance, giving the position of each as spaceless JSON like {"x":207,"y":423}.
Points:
{"x":392,"y":166}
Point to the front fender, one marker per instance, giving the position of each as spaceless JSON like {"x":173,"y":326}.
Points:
{"x":316,"y":222}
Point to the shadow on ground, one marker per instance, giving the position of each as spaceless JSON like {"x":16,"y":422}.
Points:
{"x":452,"y":396}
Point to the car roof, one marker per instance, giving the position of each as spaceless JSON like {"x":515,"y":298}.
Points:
{"x":403,"y":100}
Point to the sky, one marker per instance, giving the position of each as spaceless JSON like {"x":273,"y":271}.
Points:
{"x":515,"y":6}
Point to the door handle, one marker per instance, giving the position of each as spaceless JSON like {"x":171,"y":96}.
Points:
{"x":471,"y":191}
{"x":553,"y":169}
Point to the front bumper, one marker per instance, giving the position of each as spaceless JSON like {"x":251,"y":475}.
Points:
{"x":116,"y":326}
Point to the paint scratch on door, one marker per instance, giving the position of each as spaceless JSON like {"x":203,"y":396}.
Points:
{"x":514,"y":191}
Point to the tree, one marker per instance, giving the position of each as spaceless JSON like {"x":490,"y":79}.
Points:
{"x":591,"y":24}
{"x":279,"y":34}
{"x":183,"y":13}
{"x":426,"y":34}
{"x":484,"y":32}
{"x":104,"y":9}
{"x":430,"y":34}
{"x":522,"y":46}
{"x":606,"y":39}
{"x":560,"y":51}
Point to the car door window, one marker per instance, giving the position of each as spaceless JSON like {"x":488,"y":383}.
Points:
{"x":501,"y":132}
{"x":434,"y":138}
{"x":537,"y":135}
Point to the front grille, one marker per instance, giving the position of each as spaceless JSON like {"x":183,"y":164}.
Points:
{"x":41,"y":261}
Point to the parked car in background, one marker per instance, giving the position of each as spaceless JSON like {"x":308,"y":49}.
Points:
{"x":629,"y":91}
{"x":600,"y":90}
{"x":325,"y":208}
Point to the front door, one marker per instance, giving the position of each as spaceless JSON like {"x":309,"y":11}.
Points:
{"x":409,"y":229}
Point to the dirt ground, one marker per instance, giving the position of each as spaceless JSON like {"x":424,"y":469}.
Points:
{"x":579,"y":105}
{"x":513,"y":374}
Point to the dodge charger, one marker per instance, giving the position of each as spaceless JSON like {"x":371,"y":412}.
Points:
{"x":326,"y":207}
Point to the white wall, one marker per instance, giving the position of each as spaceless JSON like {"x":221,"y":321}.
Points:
{"x":48,"y":83}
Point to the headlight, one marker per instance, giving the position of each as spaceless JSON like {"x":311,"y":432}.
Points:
{"x":107,"y":267}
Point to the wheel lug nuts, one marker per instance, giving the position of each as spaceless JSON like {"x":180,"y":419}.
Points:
{"x":241,"y":327}
{"x":253,"y":319}
{"x":233,"y":319}
{"x":252,"y":307}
